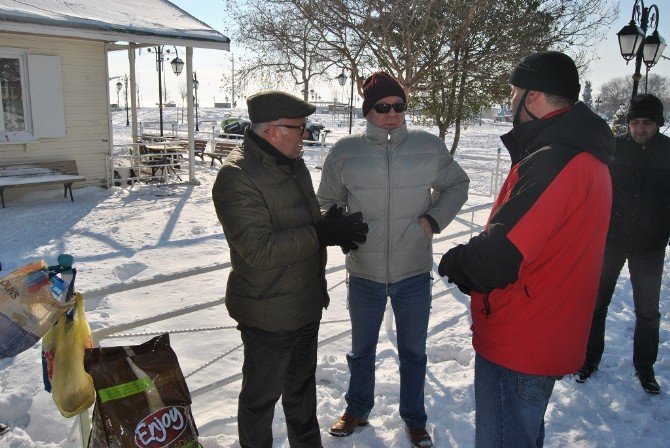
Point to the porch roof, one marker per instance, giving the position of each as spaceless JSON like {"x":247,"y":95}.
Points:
{"x":151,"y":22}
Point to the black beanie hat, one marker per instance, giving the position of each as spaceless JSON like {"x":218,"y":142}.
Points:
{"x":646,"y":106}
{"x":380,"y":85}
{"x":550,"y":72}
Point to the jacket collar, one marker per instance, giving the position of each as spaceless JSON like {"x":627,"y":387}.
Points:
{"x":268,"y":148}
{"x":380,"y":136}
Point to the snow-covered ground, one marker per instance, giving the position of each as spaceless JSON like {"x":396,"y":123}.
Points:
{"x":144,"y":250}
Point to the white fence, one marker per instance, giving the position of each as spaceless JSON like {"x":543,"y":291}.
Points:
{"x":124,"y":330}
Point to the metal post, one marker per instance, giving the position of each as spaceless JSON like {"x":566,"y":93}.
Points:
{"x":159,"y":63}
{"x":638,"y":58}
{"x":125,"y":81}
{"x":232,"y":60}
{"x":195,"y":84}
{"x":351,"y":102}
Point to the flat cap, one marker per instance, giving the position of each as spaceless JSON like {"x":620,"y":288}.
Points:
{"x":271,"y":105}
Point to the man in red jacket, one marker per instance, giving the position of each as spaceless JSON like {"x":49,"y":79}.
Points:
{"x":533,"y":273}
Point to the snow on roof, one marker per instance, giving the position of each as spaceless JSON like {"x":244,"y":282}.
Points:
{"x":140,"y":21}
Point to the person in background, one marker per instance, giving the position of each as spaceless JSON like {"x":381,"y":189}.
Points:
{"x":265,"y":201}
{"x":638,"y":234}
{"x":532,"y":274}
{"x":408,"y":187}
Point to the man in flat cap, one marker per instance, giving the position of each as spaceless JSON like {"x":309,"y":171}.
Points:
{"x":638,"y":233}
{"x":532,"y":274}
{"x":265,"y":201}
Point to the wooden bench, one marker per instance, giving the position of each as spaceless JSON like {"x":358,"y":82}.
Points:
{"x":199,"y":148}
{"x":39,"y":173}
{"x":221,"y":150}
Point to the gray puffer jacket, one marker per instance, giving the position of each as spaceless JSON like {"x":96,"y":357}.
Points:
{"x":393,"y":178}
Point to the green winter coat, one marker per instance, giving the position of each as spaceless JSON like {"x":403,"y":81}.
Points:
{"x":277,"y":281}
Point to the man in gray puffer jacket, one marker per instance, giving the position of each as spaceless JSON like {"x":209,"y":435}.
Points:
{"x":408,"y":187}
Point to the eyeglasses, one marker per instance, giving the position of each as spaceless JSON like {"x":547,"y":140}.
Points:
{"x":293,"y":126}
{"x":383,"y":108}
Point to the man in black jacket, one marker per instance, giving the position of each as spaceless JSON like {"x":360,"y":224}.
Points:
{"x":639,"y":231}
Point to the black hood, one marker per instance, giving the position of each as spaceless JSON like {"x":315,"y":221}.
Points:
{"x":579,"y":127}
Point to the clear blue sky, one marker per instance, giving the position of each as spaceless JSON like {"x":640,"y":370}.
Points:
{"x":210,"y":64}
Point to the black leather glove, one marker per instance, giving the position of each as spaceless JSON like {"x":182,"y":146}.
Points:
{"x":337,"y":229}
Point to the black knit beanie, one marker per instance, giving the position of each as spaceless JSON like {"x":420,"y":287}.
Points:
{"x":550,"y":72}
{"x":646,"y":106}
{"x":380,"y":85}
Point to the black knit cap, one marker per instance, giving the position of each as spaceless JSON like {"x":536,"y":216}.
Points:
{"x":271,"y":105}
{"x":550,"y":72}
{"x":380,"y":85}
{"x":646,"y":106}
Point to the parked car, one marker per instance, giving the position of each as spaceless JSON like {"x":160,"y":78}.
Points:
{"x":235,"y":125}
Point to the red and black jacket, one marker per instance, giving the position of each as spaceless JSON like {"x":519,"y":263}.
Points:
{"x":534,"y":271}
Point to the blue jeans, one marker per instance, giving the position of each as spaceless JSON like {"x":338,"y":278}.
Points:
{"x":410,"y":299}
{"x":646,"y":272}
{"x":509,"y":406}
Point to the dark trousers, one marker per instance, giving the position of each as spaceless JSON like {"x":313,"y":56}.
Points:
{"x":279,"y":364}
{"x":645,"y":270}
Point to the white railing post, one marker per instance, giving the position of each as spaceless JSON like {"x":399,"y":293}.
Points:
{"x":213,"y":139}
{"x":497,"y":176}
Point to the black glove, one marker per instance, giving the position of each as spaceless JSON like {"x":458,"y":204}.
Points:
{"x":337,"y":229}
{"x":442,"y":270}
{"x":464,"y":289}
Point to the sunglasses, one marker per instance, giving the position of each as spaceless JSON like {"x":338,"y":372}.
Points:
{"x":383,"y":108}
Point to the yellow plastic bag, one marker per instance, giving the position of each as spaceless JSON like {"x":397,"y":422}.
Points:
{"x":72,"y":387}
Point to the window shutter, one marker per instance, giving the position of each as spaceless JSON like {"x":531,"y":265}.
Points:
{"x":46,"y":96}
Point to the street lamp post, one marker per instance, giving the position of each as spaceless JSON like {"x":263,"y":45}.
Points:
{"x":177,"y":66}
{"x":342,"y":79}
{"x":195,"y":86}
{"x":125,"y":83}
{"x":118,"y":90}
{"x":598,"y":103}
{"x":634,"y":44}
{"x":351,"y":103}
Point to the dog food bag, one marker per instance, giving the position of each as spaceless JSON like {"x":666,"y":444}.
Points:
{"x":142,"y":397}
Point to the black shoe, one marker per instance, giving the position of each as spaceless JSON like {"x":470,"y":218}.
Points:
{"x":585,"y":372}
{"x":648,"y":383}
{"x":3,"y":428}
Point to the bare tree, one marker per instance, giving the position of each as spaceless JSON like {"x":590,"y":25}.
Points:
{"x":283,"y":46}
{"x":616,"y":92}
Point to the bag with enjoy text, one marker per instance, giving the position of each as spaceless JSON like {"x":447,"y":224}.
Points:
{"x":143,"y":400}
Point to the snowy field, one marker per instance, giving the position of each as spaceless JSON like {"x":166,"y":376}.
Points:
{"x":145,"y":250}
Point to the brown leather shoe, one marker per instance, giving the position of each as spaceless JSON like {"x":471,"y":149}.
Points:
{"x":345,"y":425}
{"x":419,"y":437}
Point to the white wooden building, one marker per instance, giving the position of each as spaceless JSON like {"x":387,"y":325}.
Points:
{"x":54,"y":73}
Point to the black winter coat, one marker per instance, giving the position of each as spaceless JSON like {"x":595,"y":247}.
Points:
{"x":641,"y":184}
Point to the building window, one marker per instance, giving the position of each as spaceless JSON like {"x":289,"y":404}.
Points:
{"x":16,"y":123}
{"x":12,"y":95}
